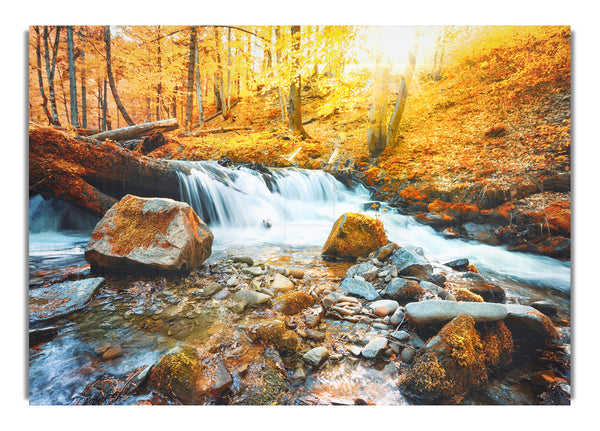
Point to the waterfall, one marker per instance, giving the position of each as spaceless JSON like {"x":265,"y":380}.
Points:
{"x":297,"y":208}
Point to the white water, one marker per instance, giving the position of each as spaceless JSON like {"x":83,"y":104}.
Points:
{"x":300,"y":206}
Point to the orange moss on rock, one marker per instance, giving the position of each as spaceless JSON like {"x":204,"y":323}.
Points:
{"x":355,"y":235}
{"x":557,"y":217}
{"x":294,"y":302}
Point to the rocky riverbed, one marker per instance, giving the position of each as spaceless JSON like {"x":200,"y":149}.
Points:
{"x":393,"y":328}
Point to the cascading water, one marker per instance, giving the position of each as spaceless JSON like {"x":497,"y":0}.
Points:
{"x":269,"y":215}
{"x":300,"y":206}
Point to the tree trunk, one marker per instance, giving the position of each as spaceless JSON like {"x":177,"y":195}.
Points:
{"x":219,"y":79}
{"x":295,"y":108}
{"x":392,"y":133}
{"x":83,"y":86}
{"x":190,"y":79}
{"x":105,"y":107}
{"x":199,"y":89}
{"x":137,"y":130}
{"x":111,"y":78}
{"x":72,"y":78}
{"x":38,"y":56}
{"x":93,"y":175}
{"x":51,"y":69}
{"x":376,"y":133}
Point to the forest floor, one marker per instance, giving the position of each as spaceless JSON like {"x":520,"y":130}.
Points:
{"x":488,"y":142}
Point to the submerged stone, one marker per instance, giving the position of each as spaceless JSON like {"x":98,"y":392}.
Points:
{"x":315,"y":357}
{"x":62,"y":298}
{"x":438,"y":311}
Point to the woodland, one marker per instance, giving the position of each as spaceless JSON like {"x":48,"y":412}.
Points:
{"x":299,"y":215}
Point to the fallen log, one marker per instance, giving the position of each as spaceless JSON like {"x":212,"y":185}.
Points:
{"x":92,"y":174}
{"x":137,"y":131}
{"x":209,"y":131}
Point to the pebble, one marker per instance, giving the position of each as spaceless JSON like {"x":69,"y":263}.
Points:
{"x":253,"y":270}
{"x":244,"y":259}
{"x":374,"y":347}
{"x":400,"y":335}
{"x":281,"y":283}
{"x":360,"y":288}
{"x":211,"y":289}
{"x":397,"y":317}
{"x":355,"y":350}
{"x":114,"y":351}
{"x":222,"y":294}
{"x":384,"y":307}
{"x":315,"y":335}
{"x":407,"y":354}
{"x":315,"y":357}
{"x":233,"y":281}
{"x":251,"y":297}
{"x":378,"y":325}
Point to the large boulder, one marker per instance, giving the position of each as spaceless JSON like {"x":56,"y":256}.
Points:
{"x":457,"y":360}
{"x":155,"y":233}
{"x":354,"y":235}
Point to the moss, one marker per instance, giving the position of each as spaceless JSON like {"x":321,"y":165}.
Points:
{"x":275,"y":332}
{"x":467,"y":296}
{"x":427,"y":378}
{"x":295,"y":302}
{"x":175,"y":374}
{"x":132,"y":228}
{"x":355,"y":235}
{"x":556,"y":217}
{"x":271,"y":383}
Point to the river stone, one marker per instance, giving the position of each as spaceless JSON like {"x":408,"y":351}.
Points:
{"x":244,"y":259}
{"x":315,"y":357}
{"x":253,"y":270}
{"x":439,"y":291}
{"x":156,"y":233}
{"x":439,"y":311}
{"x":360,"y":269}
{"x":489,"y":292}
{"x":211,"y":289}
{"x":251,"y":297}
{"x":281,"y":283}
{"x":530,"y":323}
{"x":374,"y":347}
{"x":384,"y":307}
{"x":409,"y":263}
{"x":546,"y":307}
{"x":364,"y":289}
{"x":459,"y":264}
{"x":62,"y":298}
{"x":354,"y":235}
{"x":400,"y":335}
{"x":403,"y":290}
{"x":397,"y":317}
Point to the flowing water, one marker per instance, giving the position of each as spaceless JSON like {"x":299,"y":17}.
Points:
{"x":280,"y":217}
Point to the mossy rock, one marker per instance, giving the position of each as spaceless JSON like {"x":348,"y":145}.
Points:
{"x":175,"y":374}
{"x":457,"y":360}
{"x":284,"y":340}
{"x":293,"y":303}
{"x":354,"y":235}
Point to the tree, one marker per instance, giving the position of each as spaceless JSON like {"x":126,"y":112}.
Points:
{"x":190,"y":79}
{"x":378,"y":135}
{"x":83,"y":84}
{"x":294,"y":100}
{"x":38,"y":56}
{"x":111,"y":79}
{"x":50,"y":70}
{"x":198,"y":88}
{"x":72,"y":77}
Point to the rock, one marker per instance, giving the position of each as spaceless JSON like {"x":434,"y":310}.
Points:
{"x":244,"y":259}
{"x":294,"y":302}
{"x":380,"y":325}
{"x":281,"y":283}
{"x":489,"y":292}
{"x":221,"y":294}
{"x":114,"y":351}
{"x":176,"y":373}
{"x":384,"y":252}
{"x":531,"y":325}
{"x":221,"y":379}
{"x":251,"y":297}
{"x":400,"y":335}
{"x":438,"y":311}
{"x":458,"y":264}
{"x":465,"y":295}
{"x":480,"y":232}
{"x":407,"y":354}
{"x":253,"y":270}
{"x":211,"y":289}
{"x":439,"y":291}
{"x":312,"y":316}
{"x":548,"y":308}
{"x":458,"y":359}
{"x":315,"y":335}
{"x":354,"y":349}
{"x":293,"y":272}
{"x":374,"y":347}
{"x":354,"y":235}
{"x":364,"y":289}
{"x":233,"y":281}
{"x":315,"y":357}
{"x":397,"y":317}
{"x":409,"y":263}
{"x":274,"y":332}
{"x":403,"y":290}
{"x":156,"y":233}
{"x":384,"y":307}
{"x":62,"y":298}
{"x":360,"y":269}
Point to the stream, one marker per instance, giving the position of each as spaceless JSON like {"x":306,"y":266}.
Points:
{"x":280,"y":217}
